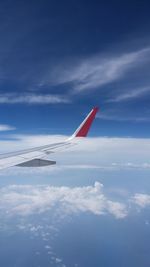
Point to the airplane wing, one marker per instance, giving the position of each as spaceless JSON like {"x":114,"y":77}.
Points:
{"x":35,"y":157}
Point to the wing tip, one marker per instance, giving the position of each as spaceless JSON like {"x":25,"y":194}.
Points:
{"x":96,"y":108}
{"x":83,"y":129}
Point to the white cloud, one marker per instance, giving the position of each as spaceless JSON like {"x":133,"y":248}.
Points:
{"x":130,"y":94}
{"x":64,"y":201}
{"x":32,"y":99}
{"x":5,"y":127}
{"x":58,"y":260}
{"x":142,"y":200}
{"x":97,"y":71}
{"x":116,"y":117}
{"x":117,"y":209}
{"x":26,"y":200}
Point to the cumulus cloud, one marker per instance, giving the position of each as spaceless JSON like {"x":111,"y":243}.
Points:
{"x":97,"y":71}
{"x":27,"y":200}
{"x":142,"y":200}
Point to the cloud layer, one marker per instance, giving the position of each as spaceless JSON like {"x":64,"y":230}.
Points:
{"x":98,"y":152}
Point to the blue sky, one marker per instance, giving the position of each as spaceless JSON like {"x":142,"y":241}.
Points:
{"x":58,"y":59}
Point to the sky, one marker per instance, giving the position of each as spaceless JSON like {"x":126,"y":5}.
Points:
{"x":58,"y":60}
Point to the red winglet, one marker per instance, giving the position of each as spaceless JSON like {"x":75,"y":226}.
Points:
{"x":85,"y":125}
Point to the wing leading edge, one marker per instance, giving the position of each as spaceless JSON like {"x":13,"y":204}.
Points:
{"x":35,"y":157}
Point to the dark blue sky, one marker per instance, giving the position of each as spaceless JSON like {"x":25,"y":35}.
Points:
{"x":60,"y":58}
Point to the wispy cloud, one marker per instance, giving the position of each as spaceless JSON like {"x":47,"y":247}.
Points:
{"x":5,"y":127}
{"x":130,"y":94}
{"x":98,"y":71}
{"x":32,"y":99}
{"x":122,"y":118}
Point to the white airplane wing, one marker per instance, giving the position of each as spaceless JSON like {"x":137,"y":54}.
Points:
{"x":35,"y":157}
